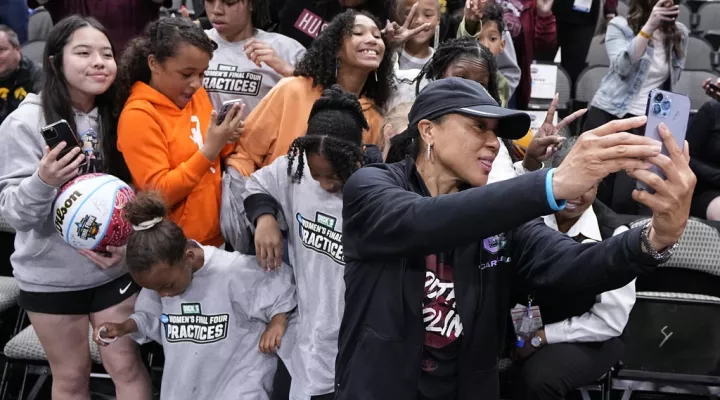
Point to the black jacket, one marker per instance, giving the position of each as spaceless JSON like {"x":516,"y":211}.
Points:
{"x":390,"y":224}
{"x":28,"y":78}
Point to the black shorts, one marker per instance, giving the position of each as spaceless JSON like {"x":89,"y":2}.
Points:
{"x":80,"y":302}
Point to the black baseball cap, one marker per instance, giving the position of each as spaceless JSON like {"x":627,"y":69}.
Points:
{"x":467,"y":97}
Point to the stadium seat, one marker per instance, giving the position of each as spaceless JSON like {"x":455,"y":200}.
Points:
{"x":563,"y":87}
{"x":686,"y":16}
{"x":671,"y":344}
{"x":588,"y":83}
{"x":690,"y":84}
{"x":25,"y":350}
{"x":709,"y":14}
{"x":622,"y":9}
{"x":597,"y":54}
{"x":699,"y":53}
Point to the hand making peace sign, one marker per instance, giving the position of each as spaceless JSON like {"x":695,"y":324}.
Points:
{"x":398,"y":34}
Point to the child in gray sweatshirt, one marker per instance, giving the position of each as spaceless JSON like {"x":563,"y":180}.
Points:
{"x":218,"y":316}
{"x":302,"y":193}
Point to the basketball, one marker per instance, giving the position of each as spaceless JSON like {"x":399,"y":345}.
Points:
{"x":88,"y":212}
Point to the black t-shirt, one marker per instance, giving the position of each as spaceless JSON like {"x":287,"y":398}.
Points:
{"x":28,"y":78}
{"x":443,"y":331}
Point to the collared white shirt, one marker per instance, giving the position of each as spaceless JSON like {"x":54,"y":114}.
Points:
{"x":608,"y":317}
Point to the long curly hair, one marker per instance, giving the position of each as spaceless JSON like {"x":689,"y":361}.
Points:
{"x":335,"y":129}
{"x":161,"y":39}
{"x":320,"y":60}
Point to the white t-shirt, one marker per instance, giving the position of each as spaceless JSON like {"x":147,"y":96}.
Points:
{"x":231,"y":74}
{"x":407,"y":61}
{"x":657,"y":75}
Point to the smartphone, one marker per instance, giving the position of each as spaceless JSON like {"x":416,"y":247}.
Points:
{"x":674,"y":110}
{"x":225,"y":109}
{"x":59,"y":132}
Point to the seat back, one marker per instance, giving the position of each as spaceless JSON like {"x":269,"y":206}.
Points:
{"x":588,"y":83}
{"x":685,"y":16}
{"x":563,"y":87}
{"x":699,"y":53}
{"x":674,"y":333}
{"x":698,"y":248}
{"x":690,"y":84}
{"x":709,"y":16}
{"x":597,"y":54}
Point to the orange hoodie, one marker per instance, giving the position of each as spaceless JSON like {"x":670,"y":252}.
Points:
{"x":161,"y":146}
{"x":280,"y":118}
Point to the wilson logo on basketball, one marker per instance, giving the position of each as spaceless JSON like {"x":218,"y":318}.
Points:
{"x":61,"y":211}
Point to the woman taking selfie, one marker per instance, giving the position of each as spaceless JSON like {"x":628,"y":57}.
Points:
{"x":647,"y":51}
{"x":426,"y":296}
{"x":64,"y":290}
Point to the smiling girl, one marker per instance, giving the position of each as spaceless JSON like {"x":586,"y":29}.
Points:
{"x":350,"y":52}
{"x":62,"y":291}
{"x":168,"y":131}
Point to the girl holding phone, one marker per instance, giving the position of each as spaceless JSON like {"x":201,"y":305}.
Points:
{"x":647,"y":51}
{"x":64,"y":290}
{"x":168,"y":131}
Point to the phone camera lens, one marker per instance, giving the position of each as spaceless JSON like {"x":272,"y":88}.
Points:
{"x":666,"y":105}
{"x":658,"y":97}
{"x":657,"y":109}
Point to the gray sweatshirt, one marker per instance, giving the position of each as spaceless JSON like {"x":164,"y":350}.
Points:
{"x":231,"y":74}
{"x":42,"y":261}
{"x":211,"y":332}
{"x":314,"y":219}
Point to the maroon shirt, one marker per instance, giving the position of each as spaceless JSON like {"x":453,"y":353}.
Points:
{"x":124,"y":19}
{"x":538,"y":36}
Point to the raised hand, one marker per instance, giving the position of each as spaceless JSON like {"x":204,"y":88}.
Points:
{"x":670,"y":203}
{"x":56,"y":172}
{"x":546,"y":140}
{"x":712,"y":89}
{"x":664,"y":11}
{"x":397,"y":34}
{"x":473,"y":14}
{"x":600,"y":152}
{"x":544,"y":7}
{"x":261,"y":52}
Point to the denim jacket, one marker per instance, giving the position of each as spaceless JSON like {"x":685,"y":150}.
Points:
{"x":625,"y":78}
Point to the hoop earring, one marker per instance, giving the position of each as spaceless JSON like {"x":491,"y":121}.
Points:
{"x":429,"y":149}
{"x":376,"y":78}
{"x":337,"y":67}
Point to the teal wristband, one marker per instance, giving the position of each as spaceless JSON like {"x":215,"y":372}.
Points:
{"x":554,"y":204}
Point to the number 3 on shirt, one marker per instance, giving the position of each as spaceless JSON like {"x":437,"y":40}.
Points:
{"x":196,"y":135}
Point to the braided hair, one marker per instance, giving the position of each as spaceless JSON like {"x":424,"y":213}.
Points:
{"x":335,"y":129}
{"x":445,"y":55}
{"x":451,"y":51}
